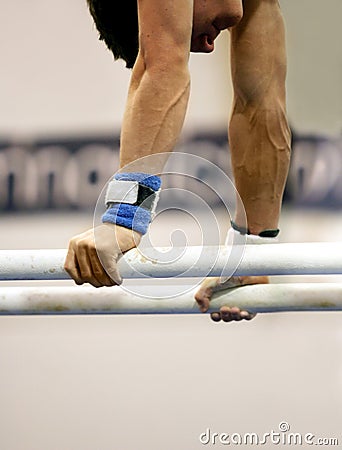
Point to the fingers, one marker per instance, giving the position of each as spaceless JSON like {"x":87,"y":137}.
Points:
{"x":203,"y":301}
{"x":230,"y":314}
{"x":227,"y":314}
{"x":205,"y":292}
{"x":71,"y":266}
{"x":216,"y":317}
{"x":109,"y":262}
{"x":99,"y":273}
{"x":93,"y":255}
{"x":92,"y":270}
{"x":84,"y":266}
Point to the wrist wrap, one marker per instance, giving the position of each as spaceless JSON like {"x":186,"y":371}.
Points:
{"x":131,"y":200}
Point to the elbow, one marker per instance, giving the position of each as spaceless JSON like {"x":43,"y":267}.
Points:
{"x":173,"y":62}
{"x":162,"y":66}
{"x":266,"y":100}
{"x":268,"y":108}
{"x":267,"y":90}
{"x":166,"y":54}
{"x":255,"y":85}
{"x":175,"y":66}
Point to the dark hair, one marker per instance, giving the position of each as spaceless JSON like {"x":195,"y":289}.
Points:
{"x":117,"y":23}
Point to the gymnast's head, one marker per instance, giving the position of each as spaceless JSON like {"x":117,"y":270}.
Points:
{"x":118,"y":27}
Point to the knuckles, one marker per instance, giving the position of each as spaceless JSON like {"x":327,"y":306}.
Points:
{"x":85,"y":245}
{"x":83,"y":251}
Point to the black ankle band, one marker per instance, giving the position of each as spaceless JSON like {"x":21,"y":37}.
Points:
{"x":265,"y":233}
{"x":241,"y":230}
{"x":269,"y":233}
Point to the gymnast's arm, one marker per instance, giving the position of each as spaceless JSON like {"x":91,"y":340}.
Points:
{"x":154,"y":115}
{"x":259,"y":133}
{"x":160,"y":83}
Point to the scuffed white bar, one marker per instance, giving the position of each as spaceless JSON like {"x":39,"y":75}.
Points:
{"x":268,"y":259}
{"x":115,"y":300}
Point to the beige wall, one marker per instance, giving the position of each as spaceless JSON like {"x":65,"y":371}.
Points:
{"x":314,"y":37}
{"x":57,"y":77}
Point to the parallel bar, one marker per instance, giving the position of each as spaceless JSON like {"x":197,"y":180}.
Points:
{"x":87,"y":300}
{"x":268,"y":259}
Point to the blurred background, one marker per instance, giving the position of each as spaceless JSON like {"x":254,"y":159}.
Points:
{"x":138,"y":383}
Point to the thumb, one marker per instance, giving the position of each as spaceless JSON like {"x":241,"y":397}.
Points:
{"x":110,"y":264}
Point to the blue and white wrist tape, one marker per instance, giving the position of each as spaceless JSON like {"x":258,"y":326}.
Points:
{"x":131,"y":199}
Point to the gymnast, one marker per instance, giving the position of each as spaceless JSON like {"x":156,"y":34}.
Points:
{"x":155,"y":38}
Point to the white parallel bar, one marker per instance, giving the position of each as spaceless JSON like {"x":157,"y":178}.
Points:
{"x":88,"y":300}
{"x":268,"y":259}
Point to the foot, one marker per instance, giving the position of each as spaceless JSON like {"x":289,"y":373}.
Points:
{"x":226,"y":313}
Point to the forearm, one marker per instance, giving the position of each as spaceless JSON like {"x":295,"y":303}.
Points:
{"x":259,"y":133}
{"x":260,"y":150}
{"x":160,"y":83}
{"x":155,"y":111}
